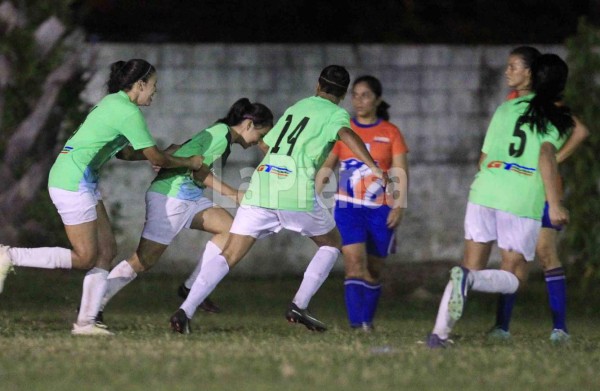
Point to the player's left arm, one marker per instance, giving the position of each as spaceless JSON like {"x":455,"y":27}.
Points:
{"x":549,"y":171}
{"x":223,"y":188}
{"x":579,"y":133}
{"x":397,"y":189}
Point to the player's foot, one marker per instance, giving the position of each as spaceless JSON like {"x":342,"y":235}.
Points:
{"x":100,"y":320}
{"x":180,"y":322}
{"x":89,"y":329}
{"x":297,"y":315}
{"x":498,"y":334}
{"x":458,"y":278}
{"x":5,"y":265}
{"x":435,"y":342}
{"x":559,"y":336}
{"x":183,"y":291}
{"x":207,"y":305}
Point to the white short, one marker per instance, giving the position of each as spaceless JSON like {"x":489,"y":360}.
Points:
{"x":167,"y":216}
{"x":76,"y":207}
{"x":513,"y":233}
{"x":260,"y":222}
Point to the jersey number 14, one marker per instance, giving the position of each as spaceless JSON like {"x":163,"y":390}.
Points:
{"x":293,"y":137}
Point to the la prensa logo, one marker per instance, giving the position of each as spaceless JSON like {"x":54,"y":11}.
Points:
{"x":276,"y":170}
{"x":514,"y":167}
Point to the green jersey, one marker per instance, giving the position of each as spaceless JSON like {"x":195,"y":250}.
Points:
{"x":212,"y":143}
{"x":509,"y":178}
{"x":111,"y":125}
{"x":299,"y":144}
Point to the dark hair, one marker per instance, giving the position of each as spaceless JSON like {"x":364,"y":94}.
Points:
{"x":375,"y":86}
{"x":124,"y":74}
{"x":243,"y":109}
{"x":527,"y":53}
{"x":549,"y":78}
{"x":334,"y":80}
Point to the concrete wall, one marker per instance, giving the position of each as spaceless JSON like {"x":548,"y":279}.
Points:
{"x":441,"y":97}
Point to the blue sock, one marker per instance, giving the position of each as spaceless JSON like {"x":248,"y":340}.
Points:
{"x":556,"y":286}
{"x":504,"y":310}
{"x":354,"y":295}
{"x":372,"y":294}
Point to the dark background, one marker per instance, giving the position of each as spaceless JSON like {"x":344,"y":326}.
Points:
{"x":355,"y":21}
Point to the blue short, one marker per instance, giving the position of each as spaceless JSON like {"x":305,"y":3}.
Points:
{"x":363,"y":224}
{"x":546,"y":223}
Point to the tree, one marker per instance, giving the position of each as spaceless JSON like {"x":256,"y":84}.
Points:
{"x":582,"y":170}
{"x":42,"y":64}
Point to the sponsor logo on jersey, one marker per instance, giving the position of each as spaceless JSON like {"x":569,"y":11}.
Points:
{"x":66,"y":149}
{"x":271,"y":169}
{"x":378,"y":139}
{"x":514,"y":167}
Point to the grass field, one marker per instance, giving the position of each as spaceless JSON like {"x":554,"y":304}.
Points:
{"x":250,"y":346}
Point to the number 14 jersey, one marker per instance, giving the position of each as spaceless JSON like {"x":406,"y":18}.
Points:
{"x":298,"y":145}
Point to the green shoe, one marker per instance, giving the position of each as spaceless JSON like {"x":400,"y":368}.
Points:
{"x":497,"y":334}
{"x":559,"y":336}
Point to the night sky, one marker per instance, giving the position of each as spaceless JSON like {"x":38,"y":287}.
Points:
{"x":355,"y":21}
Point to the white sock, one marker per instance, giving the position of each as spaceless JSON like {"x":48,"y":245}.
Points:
{"x":42,"y":257}
{"x":94,"y":288}
{"x":211,"y":250}
{"x":117,"y":279}
{"x":443,"y":322}
{"x":317,"y":271}
{"x":493,"y":281}
{"x":213,"y":271}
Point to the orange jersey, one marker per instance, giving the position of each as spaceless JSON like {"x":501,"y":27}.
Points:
{"x":357,"y":184}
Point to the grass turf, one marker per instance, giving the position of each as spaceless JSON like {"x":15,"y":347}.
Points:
{"x":250,"y":346}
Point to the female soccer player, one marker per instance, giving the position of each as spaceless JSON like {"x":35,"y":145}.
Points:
{"x":114,"y":123}
{"x":518,"y":167}
{"x":364,"y":212}
{"x":176,"y":200}
{"x":281,"y":194}
{"x":518,"y":78}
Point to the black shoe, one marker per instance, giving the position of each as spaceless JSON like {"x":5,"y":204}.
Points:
{"x":183,"y":291}
{"x":207,"y":305}
{"x":180,"y":322}
{"x":297,"y":315}
{"x":100,"y":320}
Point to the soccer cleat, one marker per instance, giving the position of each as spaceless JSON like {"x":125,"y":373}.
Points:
{"x":435,"y":342}
{"x":458,"y":278}
{"x":498,"y":334}
{"x":89,"y":329}
{"x":297,"y":315}
{"x":207,"y":305}
{"x":5,"y":265}
{"x":180,"y":322}
{"x":100,"y":320}
{"x":559,"y":336}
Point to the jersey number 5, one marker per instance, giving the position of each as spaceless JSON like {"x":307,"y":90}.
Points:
{"x":293,"y":137}
{"x":514,"y":150}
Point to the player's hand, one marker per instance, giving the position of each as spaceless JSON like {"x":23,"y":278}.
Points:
{"x":240,"y":196}
{"x":394,"y":217}
{"x":196,"y":162}
{"x":379,"y":173}
{"x":559,"y":215}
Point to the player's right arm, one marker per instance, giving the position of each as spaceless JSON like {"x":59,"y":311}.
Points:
{"x":559,"y":215}
{"x":324,"y":173}
{"x":165,"y":160}
{"x":578,"y":135}
{"x":357,"y":146}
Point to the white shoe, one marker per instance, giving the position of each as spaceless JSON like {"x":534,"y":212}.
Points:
{"x":89,"y":329}
{"x":5,"y":265}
